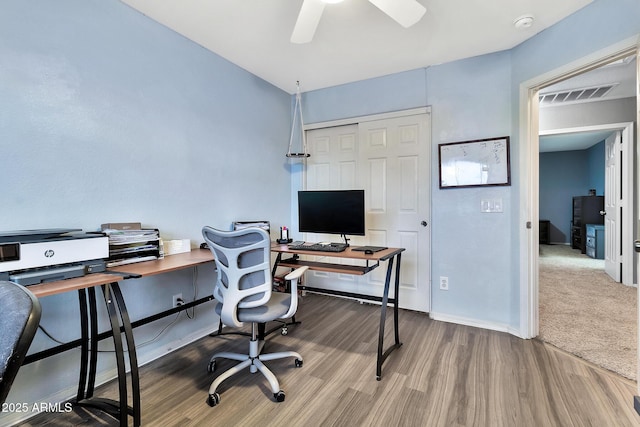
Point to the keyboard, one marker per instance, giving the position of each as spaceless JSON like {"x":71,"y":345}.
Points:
{"x":331,"y":247}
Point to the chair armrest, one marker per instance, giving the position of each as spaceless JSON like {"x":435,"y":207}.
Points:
{"x":293,"y":279}
{"x":295,"y":274}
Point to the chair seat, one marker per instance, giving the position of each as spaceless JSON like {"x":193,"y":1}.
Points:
{"x":275,"y":308}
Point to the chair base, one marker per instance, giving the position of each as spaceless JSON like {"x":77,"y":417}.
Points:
{"x":253,"y":361}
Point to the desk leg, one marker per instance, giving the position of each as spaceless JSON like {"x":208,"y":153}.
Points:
{"x":93,"y":367}
{"x":118,"y":316}
{"x":119,"y":352}
{"x":275,"y":264}
{"x":133,"y":358}
{"x":84,"y":346}
{"x":120,"y":306}
{"x":89,"y":344}
{"x":396,"y":296}
{"x":383,"y":316}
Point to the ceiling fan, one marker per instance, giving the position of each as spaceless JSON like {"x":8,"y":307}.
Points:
{"x":404,"y":12}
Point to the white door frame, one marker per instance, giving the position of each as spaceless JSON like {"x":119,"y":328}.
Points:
{"x":528,"y":163}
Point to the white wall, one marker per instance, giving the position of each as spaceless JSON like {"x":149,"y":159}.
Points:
{"x":621,"y":110}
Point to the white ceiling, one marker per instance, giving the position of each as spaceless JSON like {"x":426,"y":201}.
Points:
{"x":354,"y":40}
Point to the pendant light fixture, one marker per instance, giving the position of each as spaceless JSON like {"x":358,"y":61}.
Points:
{"x":297,"y":116}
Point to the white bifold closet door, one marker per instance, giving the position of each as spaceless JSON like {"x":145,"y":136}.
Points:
{"x":389,"y":158}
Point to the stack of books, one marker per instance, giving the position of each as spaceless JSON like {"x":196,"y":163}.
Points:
{"x":129,"y":244}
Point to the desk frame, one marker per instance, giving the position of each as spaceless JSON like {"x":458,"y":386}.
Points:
{"x":120,"y":323}
{"x":372,"y":261}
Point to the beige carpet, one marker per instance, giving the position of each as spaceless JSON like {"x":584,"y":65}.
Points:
{"x":583,"y":311}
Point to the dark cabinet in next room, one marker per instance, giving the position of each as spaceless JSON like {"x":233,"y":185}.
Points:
{"x":586,"y":210}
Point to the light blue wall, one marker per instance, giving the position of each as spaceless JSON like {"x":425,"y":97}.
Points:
{"x":107,"y":116}
{"x":592,"y":28}
{"x":91,"y":93}
{"x":595,"y":161}
{"x":471,"y":99}
{"x":597,"y":26}
{"x":563,"y":175}
{"x":389,"y":93}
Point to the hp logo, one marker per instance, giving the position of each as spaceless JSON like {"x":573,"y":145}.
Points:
{"x":49,"y":253}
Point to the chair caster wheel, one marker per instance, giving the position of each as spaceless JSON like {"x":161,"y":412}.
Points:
{"x":279,"y":396}
{"x":211,"y":367}
{"x":284,"y":331}
{"x":213,"y":399}
{"x":298,"y":363}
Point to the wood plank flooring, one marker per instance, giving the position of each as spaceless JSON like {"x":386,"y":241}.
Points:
{"x":443,"y":375}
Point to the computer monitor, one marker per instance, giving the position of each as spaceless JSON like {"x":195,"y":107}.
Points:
{"x":331,"y":212}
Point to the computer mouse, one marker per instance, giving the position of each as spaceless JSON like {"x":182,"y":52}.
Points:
{"x":368,"y":252}
{"x":204,"y":245}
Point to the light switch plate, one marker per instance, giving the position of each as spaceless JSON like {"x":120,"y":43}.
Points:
{"x":491,"y":205}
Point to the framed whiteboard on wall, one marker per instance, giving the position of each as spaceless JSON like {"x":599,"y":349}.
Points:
{"x":476,"y":163}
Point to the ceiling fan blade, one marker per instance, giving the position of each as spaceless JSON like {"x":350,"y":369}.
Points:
{"x":404,"y":12}
{"x":308,"y":19}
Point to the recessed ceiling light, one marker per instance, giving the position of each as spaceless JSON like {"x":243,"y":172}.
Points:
{"x":525,"y":21}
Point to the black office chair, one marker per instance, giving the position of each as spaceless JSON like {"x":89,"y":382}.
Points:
{"x":244,"y":293}
{"x":19,"y":319}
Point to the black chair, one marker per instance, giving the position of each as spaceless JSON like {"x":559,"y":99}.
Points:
{"x":19,"y":319}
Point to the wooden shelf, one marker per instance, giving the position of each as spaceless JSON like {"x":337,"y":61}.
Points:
{"x":358,"y":270}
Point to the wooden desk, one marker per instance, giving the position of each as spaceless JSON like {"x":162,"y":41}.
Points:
{"x":367,"y":262}
{"x":120,"y":322}
{"x":142,"y":269}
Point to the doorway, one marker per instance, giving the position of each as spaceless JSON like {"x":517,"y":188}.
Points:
{"x":529,"y":92}
{"x":597,"y":159}
{"x":529,"y":162}
{"x":582,"y":309}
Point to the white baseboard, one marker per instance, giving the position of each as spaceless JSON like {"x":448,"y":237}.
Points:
{"x":499,"y":327}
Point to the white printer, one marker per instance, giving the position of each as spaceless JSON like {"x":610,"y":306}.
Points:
{"x":28,"y":257}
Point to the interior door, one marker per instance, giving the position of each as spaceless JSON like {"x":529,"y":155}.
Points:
{"x":612,"y":200}
{"x":389,"y":158}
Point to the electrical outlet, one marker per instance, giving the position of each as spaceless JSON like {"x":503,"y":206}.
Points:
{"x":444,"y":283}
{"x":177,"y":300}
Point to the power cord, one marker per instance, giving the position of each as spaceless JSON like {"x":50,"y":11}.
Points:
{"x":179,"y":302}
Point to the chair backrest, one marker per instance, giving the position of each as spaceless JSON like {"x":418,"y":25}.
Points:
{"x":19,"y":319}
{"x":243,"y":258}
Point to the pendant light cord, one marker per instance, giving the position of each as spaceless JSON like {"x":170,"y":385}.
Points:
{"x":297,"y":112}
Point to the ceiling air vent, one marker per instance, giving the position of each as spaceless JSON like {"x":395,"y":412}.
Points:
{"x":576,"y":95}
